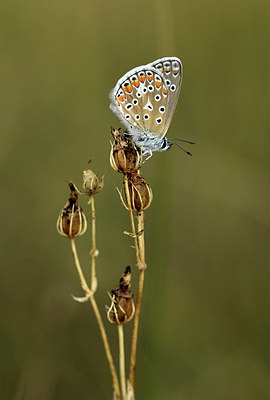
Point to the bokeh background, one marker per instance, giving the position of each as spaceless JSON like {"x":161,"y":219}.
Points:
{"x":205,"y":324}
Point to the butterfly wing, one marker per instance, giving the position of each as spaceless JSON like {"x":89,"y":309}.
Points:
{"x":140,"y":100}
{"x":172,"y":71}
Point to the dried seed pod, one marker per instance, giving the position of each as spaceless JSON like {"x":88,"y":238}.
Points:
{"x":91,"y":183}
{"x":125,"y":156}
{"x":72,"y":221}
{"x":122,"y":306}
{"x":140,"y":192}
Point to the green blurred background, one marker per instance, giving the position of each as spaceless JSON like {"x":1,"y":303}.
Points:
{"x":205,"y":323}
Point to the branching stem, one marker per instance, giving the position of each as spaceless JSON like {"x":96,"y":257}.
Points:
{"x":99,"y":321}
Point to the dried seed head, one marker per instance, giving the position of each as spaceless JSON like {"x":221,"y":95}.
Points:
{"x":125,"y":156}
{"x":122,"y":307}
{"x":140,"y":192}
{"x":71,"y":221}
{"x":91,"y":184}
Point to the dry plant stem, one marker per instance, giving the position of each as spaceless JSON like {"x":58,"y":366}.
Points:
{"x":93,"y":251}
{"x":134,"y":234}
{"x":122,"y":361}
{"x":107,"y":348}
{"x":138,"y":300}
{"x":135,"y":330}
{"x":141,"y":239}
{"x":140,"y":257}
{"x":99,"y":321}
{"x":78,"y":267}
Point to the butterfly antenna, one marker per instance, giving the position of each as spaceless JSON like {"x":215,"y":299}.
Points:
{"x":185,"y":151}
{"x":182,"y":140}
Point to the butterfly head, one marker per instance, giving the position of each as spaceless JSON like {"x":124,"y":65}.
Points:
{"x":165,"y":145}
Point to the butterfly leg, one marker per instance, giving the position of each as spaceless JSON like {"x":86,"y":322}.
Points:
{"x":149,"y":153}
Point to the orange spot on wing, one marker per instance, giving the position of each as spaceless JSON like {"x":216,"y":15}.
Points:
{"x":121,"y":98}
{"x":158,"y":84}
{"x":128,"y":89}
{"x":150,"y":78}
{"x":118,"y":103}
{"x":167,"y":69}
{"x":142,"y":78}
{"x":136,"y":83}
{"x":164,"y":90}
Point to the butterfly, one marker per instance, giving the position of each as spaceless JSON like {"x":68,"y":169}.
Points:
{"x":145,"y":98}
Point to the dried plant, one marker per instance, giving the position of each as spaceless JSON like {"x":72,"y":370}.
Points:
{"x":136,"y":196}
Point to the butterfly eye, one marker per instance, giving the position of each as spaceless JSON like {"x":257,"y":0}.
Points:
{"x":164,"y":144}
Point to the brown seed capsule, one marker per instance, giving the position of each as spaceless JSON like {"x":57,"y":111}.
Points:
{"x":122,"y":307}
{"x":125,"y":156}
{"x":140,"y":193}
{"x":71,"y":221}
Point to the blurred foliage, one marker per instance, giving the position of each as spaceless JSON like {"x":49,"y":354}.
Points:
{"x":205,"y":325}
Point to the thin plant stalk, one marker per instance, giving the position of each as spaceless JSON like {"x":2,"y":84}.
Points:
{"x":141,"y":239}
{"x":134,"y":234}
{"x":99,"y":321}
{"x":94,"y":249}
{"x":78,"y":267}
{"x":140,"y":257}
{"x":122,"y":361}
{"x":138,"y":300}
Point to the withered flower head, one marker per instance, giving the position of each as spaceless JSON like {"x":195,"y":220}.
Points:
{"x":125,"y":156}
{"x":91,"y":184}
{"x":140,"y":192}
{"x":122,"y":307}
{"x":71,"y":221}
